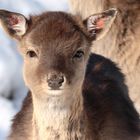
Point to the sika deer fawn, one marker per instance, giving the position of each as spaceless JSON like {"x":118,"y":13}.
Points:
{"x":74,"y":94}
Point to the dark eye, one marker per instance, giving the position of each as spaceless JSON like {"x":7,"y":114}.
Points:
{"x":31,"y":54}
{"x":79,"y":54}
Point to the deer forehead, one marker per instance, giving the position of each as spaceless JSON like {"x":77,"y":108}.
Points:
{"x":54,"y":29}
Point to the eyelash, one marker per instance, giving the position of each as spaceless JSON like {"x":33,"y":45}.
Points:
{"x":31,"y":54}
{"x":79,"y":54}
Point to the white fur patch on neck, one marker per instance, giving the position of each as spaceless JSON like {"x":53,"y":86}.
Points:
{"x":52,"y":116}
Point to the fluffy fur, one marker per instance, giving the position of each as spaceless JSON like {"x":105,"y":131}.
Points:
{"x":94,"y":102}
{"x":122,"y":43}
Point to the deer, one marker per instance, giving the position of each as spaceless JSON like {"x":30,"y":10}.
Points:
{"x":121,"y":44}
{"x":74,"y":94}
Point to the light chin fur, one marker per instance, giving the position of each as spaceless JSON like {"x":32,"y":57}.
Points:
{"x":55,"y":92}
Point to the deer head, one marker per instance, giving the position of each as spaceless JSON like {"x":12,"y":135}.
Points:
{"x":55,"y":47}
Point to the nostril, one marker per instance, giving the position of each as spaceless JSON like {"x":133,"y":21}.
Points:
{"x":61,"y":80}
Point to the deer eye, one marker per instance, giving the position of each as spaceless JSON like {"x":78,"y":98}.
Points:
{"x":79,"y":54}
{"x":31,"y":54}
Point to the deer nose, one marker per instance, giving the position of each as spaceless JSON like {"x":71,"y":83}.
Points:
{"x":55,"y":81}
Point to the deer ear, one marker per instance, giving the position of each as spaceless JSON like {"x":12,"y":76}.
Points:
{"x":14,"y":23}
{"x":99,"y":24}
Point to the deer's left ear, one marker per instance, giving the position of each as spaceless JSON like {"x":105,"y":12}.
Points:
{"x":99,"y":24}
{"x":14,"y":23}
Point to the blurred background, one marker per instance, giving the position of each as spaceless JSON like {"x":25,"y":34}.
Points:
{"x":12,"y":88}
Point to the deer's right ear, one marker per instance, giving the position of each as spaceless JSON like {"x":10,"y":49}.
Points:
{"x":15,"y":24}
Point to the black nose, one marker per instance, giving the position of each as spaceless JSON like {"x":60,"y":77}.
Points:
{"x":55,"y":81}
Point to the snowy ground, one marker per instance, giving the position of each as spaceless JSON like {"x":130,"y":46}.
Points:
{"x":12,"y":88}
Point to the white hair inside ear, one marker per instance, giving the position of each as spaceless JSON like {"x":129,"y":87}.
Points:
{"x":21,"y":26}
{"x":99,"y":24}
{"x":14,"y":23}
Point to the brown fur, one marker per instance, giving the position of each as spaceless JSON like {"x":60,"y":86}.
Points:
{"x":93,"y":103}
{"x":122,"y":44}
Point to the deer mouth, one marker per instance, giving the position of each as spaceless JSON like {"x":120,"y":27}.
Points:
{"x":55,"y":92}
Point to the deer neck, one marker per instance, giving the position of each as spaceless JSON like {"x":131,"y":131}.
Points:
{"x":121,"y":45}
{"x":58,"y":118}
{"x":89,"y":8}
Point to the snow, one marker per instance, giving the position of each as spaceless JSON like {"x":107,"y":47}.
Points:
{"x":12,"y":88}
{"x":7,"y":112}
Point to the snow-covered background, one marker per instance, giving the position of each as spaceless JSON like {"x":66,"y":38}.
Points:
{"x":12,"y":88}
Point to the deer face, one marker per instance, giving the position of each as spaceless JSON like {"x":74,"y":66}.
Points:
{"x":55,"y":54}
{"x":55,"y":47}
